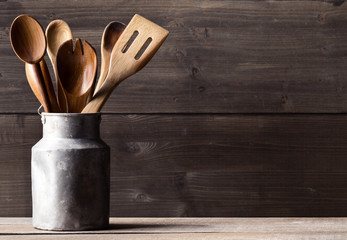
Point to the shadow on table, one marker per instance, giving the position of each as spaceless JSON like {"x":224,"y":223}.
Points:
{"x":153,"y":228}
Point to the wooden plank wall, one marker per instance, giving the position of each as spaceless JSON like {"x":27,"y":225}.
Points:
{"x":242,"y":112}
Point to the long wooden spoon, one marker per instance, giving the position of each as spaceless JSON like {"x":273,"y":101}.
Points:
{"x":76,"y":70}
{"x":57,"y":32}
{"x":29,"y":43}
{"x":134,"y":49}
{"x":109,"y":38}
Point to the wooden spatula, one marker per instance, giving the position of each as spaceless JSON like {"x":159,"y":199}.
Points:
{"x":135,"y":47}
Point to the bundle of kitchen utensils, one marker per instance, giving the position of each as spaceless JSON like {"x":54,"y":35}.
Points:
{"x":124,"y":51}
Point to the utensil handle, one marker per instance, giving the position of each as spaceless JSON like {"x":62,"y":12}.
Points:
{"x":101,"y":96}
{"x":61,"y":96}
{"x":49,"y":87}
{"x":76,"y":103}
{"x":35,"y":79}
{"x":62,"y":102}
{"x":103,"y":73}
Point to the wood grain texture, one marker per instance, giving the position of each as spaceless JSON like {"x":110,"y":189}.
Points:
{"x":221,"y":56}
{"x":190,"y":134}
{"x":181,"y":236}
{"x":190,"y":228}
{"x":191,"y":225}
{"x":201,"y":165}
{"x":189,"y":236}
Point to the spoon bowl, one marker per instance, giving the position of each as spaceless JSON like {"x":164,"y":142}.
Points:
{"x":109,"y":38}
{"x":28,"y":39}
{"x":57,"y":32}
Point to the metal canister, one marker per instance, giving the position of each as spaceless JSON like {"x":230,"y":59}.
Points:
{"x":70,"y":170}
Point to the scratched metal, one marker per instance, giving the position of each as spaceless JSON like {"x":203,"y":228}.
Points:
{"x":70,"y":170}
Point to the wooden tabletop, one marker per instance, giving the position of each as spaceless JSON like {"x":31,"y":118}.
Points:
{"x":189,"y":228}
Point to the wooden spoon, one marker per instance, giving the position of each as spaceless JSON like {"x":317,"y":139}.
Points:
{"x":57,"y":32}
{"x":129,"y":55}
{"x":76,"y":70}
{"x":29,"y":43}
{"x":109,"y":38}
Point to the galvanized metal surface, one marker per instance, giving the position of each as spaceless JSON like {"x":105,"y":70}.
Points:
{"x":70,"y":168}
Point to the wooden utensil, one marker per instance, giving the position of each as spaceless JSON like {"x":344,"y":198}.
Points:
{"x":29,"y":43}
{"x":76,"y":70}
{"x":109,"y":38}
{"x":35,"y":73}
{"x":57,"y":32}
{"x":135,"y":47}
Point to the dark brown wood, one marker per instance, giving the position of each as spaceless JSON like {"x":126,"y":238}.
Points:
{"x":201,"y":165}
{"x":201,"y":142}
{"x":221,"y":56}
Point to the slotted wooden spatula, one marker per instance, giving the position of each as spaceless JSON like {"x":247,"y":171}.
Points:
{"x":135,"y":47}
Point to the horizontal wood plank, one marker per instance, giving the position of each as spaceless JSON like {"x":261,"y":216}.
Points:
{"x":201,"y":165}
{"x":187,"y":236}
{"x":191,"y":225}
{"x":191,"y":228}
{"x":220,"y":57}
{"x":181,"y":236}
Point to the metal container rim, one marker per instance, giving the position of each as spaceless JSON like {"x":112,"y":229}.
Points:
{"x":41,"y":113}
{"x":70,"y":114}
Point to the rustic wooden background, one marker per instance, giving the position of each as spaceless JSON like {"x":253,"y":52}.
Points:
{"x":242,"y":112}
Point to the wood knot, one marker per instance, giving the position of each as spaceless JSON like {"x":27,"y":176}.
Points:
{"x":284,"y":99}
{"x":7,"y":31}
{"x":321,"y":17}
{"x":201,"y":33}
{"x":337,"y":3}
{"x":180,"y":53}
{"x":52,"y":16}
{"x":133,"y":147}
{"x":195,"y":71}
{"x":141,"y":197}
{"x":180,"y":180}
